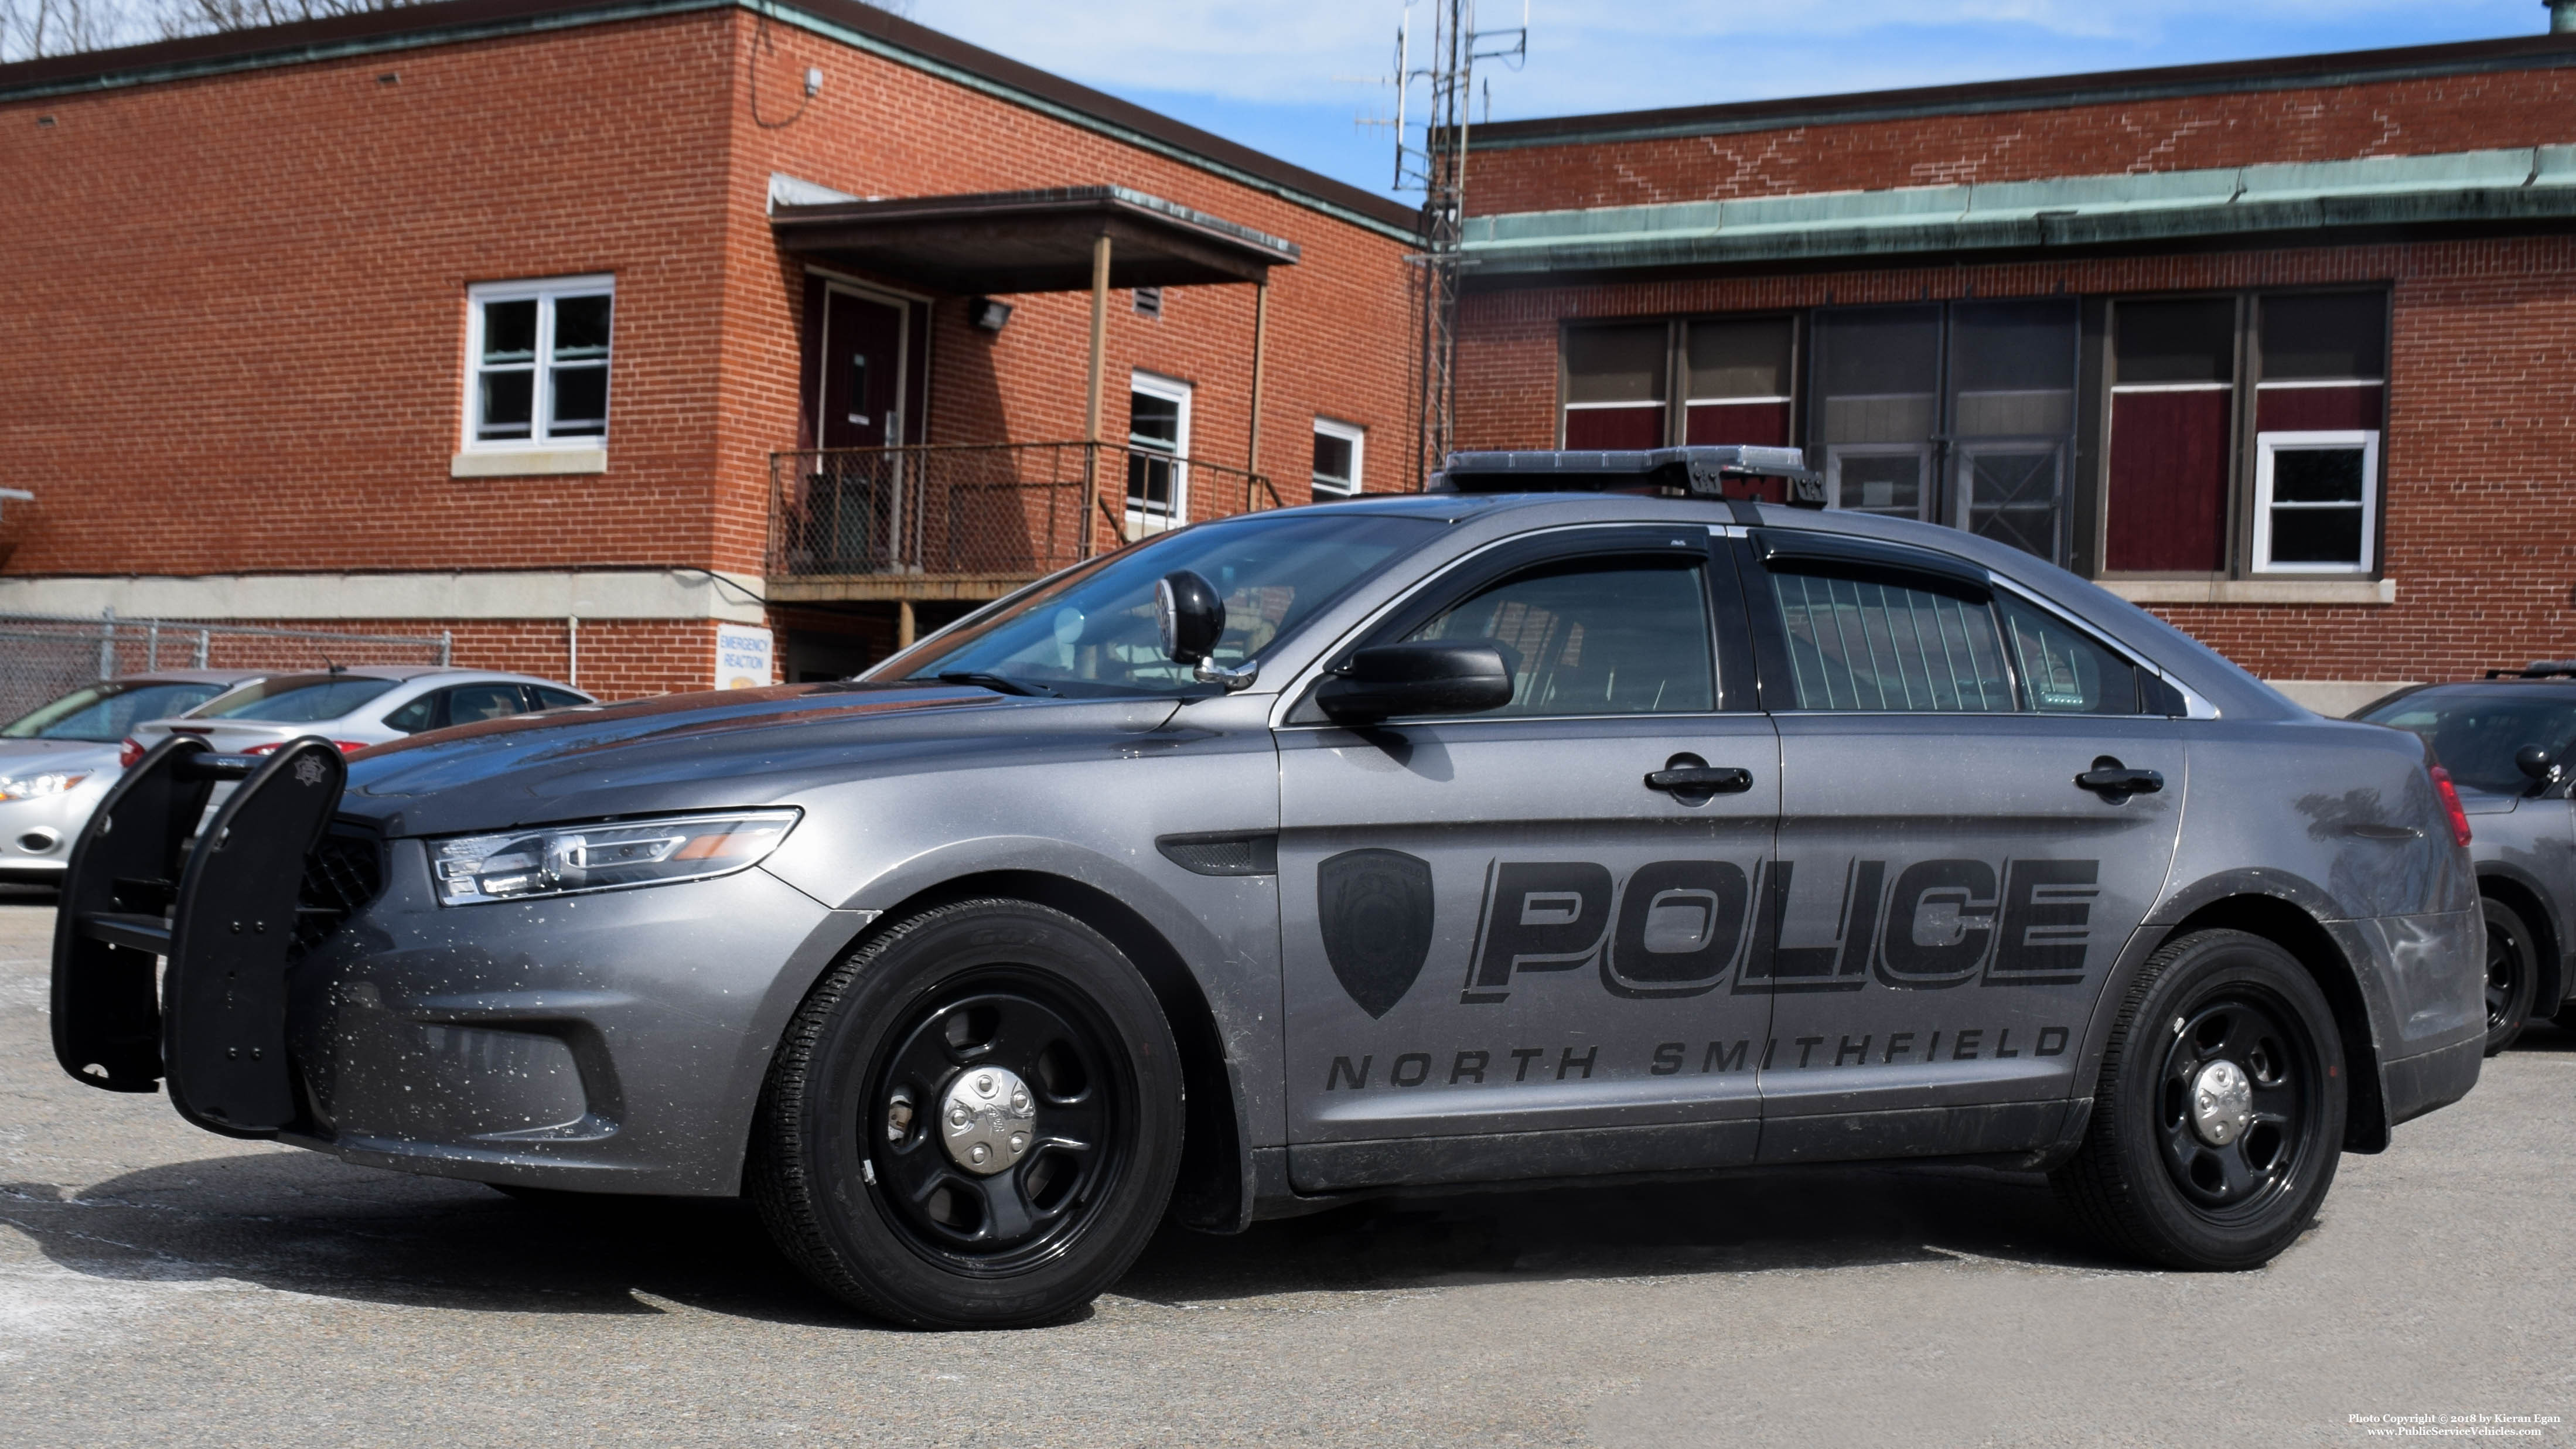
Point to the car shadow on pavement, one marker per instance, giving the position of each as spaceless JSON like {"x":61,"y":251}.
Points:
{"x":305,"y":1223}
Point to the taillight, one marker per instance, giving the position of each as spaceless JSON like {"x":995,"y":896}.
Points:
{"x":129,"y":754}
{"x":2450,"y":794}
{"x":347,"y":747}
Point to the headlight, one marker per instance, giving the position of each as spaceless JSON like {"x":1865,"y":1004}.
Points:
{"x":28,"y":787}
{"x":563,"y":860}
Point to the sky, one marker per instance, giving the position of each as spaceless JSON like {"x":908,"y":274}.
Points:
{"x":1293,"y":77}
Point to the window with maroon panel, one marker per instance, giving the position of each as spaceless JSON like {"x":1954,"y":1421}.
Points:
{"x":1616,"y":385}
{"x":1738,"y":372}
{"x":2173,"y":396}
{"x":2318,"y":415}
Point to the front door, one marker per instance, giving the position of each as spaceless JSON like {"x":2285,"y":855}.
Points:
{"x":1496,"y":928}
{"x":1948,"y":898}
{"x":858,"y":498}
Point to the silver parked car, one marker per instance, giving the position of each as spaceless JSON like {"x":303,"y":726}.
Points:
{"x":358,"y":706}
{"x":1574,"y":820}
{"x":58,"y":760}
{"x":2503,"y":741}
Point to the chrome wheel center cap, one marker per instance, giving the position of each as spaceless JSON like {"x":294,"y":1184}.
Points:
{"x":2222,"y":1103}
{"x":988,"y":1119}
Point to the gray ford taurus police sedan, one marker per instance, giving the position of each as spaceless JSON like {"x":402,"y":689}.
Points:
{"x":1618,"y":827}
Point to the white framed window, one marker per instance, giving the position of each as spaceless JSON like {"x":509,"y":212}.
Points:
{"x":2316,"y":502}
{"x":1340,"y":453}
{"x":537,"y":355}
{"x":1158,"y":439}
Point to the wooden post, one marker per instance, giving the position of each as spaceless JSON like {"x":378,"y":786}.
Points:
{"x":1091,"y":406}
{"x":1252,"y":447}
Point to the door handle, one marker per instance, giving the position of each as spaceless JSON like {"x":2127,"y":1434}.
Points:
{"x":1691,"y":775}
{"x":2116,"y":782}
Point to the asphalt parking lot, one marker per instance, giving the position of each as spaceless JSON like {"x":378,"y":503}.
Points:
{"x":160,"y":1285}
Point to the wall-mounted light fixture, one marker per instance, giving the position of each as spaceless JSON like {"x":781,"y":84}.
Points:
{"x":813,"y":80}
{"x":988,"y":314}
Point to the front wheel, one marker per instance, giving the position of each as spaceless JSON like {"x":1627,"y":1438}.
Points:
{"x":974,"y":1120}
{"x":2513,"y":973}
{"x":2219,"y":1114}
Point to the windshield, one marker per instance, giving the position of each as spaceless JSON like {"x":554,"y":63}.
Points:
{"x":107,"y":713}
{"x":2475,"y":730}
{"x":1092,"y":632}
{"x":297,"y":698}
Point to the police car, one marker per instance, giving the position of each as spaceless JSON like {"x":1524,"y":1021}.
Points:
{"x":1578,"y":818}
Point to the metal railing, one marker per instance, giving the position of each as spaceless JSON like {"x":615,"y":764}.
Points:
{"x":46,"y":656}
{"x":994,"y":510}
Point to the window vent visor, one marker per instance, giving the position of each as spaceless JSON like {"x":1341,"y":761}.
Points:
{"x":1838,"y":555}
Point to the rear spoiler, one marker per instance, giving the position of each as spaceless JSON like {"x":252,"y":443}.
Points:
{"x":219,"y":905}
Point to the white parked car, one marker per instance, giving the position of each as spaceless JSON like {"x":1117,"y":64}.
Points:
{"x":355,"y":706}
{"x":58,"y":760}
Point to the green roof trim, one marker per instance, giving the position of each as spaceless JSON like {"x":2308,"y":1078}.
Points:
{"x":2524,"y":184}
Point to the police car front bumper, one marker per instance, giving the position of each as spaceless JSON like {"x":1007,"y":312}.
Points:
{"x":612,"y":1042}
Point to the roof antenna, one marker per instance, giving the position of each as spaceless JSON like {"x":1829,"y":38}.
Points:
{"x":334,"y":667}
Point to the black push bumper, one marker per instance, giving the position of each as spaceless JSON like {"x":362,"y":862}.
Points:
{"x":221,"y":906}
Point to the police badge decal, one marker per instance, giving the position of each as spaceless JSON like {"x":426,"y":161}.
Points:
{"x":1375,"y":910}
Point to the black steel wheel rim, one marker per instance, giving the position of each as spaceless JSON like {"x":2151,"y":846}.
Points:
{"x":2242,"y":1177}
{"x":2504,"y":973}
{"x":1031,"y":1211}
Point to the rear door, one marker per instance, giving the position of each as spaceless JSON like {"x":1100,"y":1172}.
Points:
{"x":1949,"y":896}
{"x":1506,"y":952}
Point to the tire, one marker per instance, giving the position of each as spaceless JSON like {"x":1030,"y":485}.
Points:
{"x":2149,"y":1179}
{"x":868,"y":1174}
{"x":2513,"y":973}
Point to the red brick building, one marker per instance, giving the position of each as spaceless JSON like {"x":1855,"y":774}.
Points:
{"x":544,"y":321}
{"x":2284,"y":350}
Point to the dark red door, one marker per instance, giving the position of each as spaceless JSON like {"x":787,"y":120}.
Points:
{"x":862,"y":372}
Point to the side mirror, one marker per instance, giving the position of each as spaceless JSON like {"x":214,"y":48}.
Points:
{"x":1421,"y":677}
{"x":2538,"y":764}
{"x":1189,"y":615}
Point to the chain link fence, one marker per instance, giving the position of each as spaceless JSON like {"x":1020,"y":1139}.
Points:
{"x":46,"y":656}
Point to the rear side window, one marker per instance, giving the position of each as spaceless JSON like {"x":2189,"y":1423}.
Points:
{"x":1599,"y":636}
{"x":467,"y":703}
{"x":1859,"y":644}
{"x":554,"y":698}
{"x":2064,"y":671}
{"x":414,"y":717}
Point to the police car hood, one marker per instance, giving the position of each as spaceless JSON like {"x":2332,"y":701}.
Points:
{"x":716,"y":750}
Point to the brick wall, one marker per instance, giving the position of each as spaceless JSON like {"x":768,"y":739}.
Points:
{"x":2480,"y":449}
{"x":2377,"y":118}
{"x":236,"y":332}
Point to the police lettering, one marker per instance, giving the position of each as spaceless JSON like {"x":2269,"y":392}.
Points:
{"x":1683,"y":927}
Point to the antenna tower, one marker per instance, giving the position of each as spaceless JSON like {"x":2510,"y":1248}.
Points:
{"x":1436,"y":166}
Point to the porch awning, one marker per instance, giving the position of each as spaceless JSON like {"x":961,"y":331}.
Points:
{"x":1029,"y":241}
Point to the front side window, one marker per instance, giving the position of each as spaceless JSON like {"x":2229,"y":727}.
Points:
{"x":540,"y":362}
{"x":1597,"y":636}
{"x":1337,"y":458}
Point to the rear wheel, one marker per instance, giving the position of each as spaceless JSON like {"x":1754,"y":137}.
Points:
{"x":2513,"y":973}
{"x":2219,"y":1114}
{"x":974,"y":1121}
